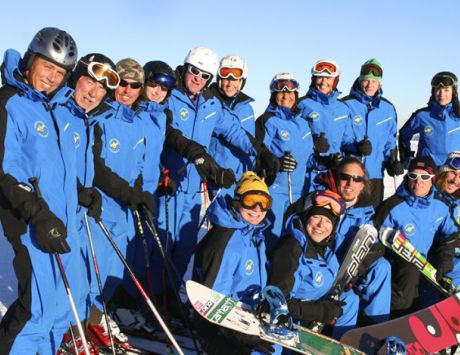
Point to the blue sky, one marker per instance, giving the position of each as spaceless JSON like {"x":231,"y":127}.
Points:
{"x":412,"y":39}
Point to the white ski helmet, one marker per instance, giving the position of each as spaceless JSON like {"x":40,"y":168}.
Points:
{"x":204,"y":59}
{"x":326,"y":68}
{"x":234,"y":62}
{"x":284,"y":77}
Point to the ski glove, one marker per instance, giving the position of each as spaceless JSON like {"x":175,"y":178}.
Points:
{"x":323,"y":311}
{"x":250,"y":343}
{"x":364,"y":147}
{"x":287,"y":163}
{"x":395,"y":168}
{"x":90,"y":198}
{"x":321,"y":143}
{"x":166,"y":185}
{"x":206,"y":166}
{"x":50,"y":232}
{"x":224,"y":178}
{"x":139,"y":198}
{"x":268,"y":161}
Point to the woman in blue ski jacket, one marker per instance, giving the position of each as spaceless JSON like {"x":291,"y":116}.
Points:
{"x":231,"y":259}
{"x":329,"y":118}
{"x":304,"y":265}
{"x":438,"y":124}
{"x":374,"y":128}
{"x":288,"y":136}
{"x":418,"y":210}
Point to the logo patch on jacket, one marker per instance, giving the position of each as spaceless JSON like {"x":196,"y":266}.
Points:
{"x":314,"y":116}
{"x":428,"y":130}
{"x":183,"y":114}
{"x":358,"y":120}
{"x":249,"y":267}
{"x":319,"y":278}
{"x":114,"y":145}
{"x":41,"y":129}
{"x":285,"y":135}
{"x":76,"y":139}
{"x":409,"y":229}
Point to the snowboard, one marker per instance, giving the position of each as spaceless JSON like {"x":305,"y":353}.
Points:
{"x":426,"y":331}
{"x":232,"y":314}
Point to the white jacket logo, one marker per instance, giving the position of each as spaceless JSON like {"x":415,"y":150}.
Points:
{"x":114,"y":145}
{"x":41,"y":129}
{"x":249,"y":267}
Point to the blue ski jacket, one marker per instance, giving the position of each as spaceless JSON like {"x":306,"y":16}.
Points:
{"x":282,"y":131}
{"x":374,"y":118}
{"x":326,"y":113}
{"x":439,"y":131}
{"x":198,"y":121}
{"x":225,"y":154}
{"x":231,"y":257}
{"x":424,"y":221}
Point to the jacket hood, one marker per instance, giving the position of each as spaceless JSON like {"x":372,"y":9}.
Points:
{"x":358,"y":94}
{"x":440,"y":111}
{"x":323,"y":98}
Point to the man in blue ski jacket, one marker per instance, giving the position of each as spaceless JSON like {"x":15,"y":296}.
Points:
{"x":328,"y":117}
{"x":38,"y":145}
{"x":418,"y":211}
{"x":374,"y":128}
{"x":438,"y":124}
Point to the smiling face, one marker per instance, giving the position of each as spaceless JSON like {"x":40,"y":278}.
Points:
{"x":126,"y":94}
{"x":155,"y":92}
{"x":420,"y":187}
{"x":443,"y":95}
{"x":194,"y":83}
{"x":285,"y":99}
{"x":230,"y":86}
{"x":89,"y":93}
{"x":347,"y":187}
{"x":44,"y":75}
{"x":451,"y":182}
{"x":370,"y":86}
{"x":319,"y":227}
{"x":324,"y":84}
{"x":252,"y":216}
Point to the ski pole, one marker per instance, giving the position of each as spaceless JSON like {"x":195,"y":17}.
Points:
{"x":206,"y":202}
{"x":163,"y":273}
{"x":34,"y":182}
{"x":205,"y":217}
{"x":99,"y":282}
{"x":140,"y":288}
{"x":290,"y":187}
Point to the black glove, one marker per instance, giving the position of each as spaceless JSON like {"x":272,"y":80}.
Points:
{"x":287,"y":163}
{"x":331,"y":310}
{"x":224,"y":178}
{"x":323,"y":311}
{"x":331,"y":161}
{"x":395,"y":168}
{"x":321,"y":143}
{"x":206,"y":166}
{"x":91,"y":199}
{"x":364,"y":147}
{"x":138,"y":198}
{"x":252,"y":342}
{"x":50,"y":232}
{"x":166,"y":185}
{"x":268,"y":162}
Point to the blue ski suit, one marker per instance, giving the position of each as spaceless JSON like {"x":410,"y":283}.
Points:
{"x":198,"y":121}
{"x":374,"y":118}
{"x":304,"y":272}
{"x":326,"y":114}
{"x":36,"y":144}
{"x":119,"y":153}
{"x":282,"y":131}
{"x":439,"y":131}
{"x":226,"y":155}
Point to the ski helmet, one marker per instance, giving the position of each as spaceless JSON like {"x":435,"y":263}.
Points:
{"x":325,"y":68}
{"x":204,"y":59}
{"x":233,"y":66}
{"x":444,"y":78}
{"x":53,"y":44}
{"x":98,"y":67}
{"x":161,"y":73}
{"x":284,"y":82}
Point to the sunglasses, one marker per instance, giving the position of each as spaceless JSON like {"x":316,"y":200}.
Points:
{"x":135,"y":85}
{"x":415,"y":176}
{"x":164,"y":80}
{"x":322,"y":67}
{"x":331,"y":199}
{"x":197,"y":72}
{"x":103,"y":72}
{"x":348,"y":177}
{"x":285,"y":85}
{"x":371,"y":69}
{"x":443,"y":81}
{"x":251,"y":199}
{"x":454,"y":163}
{"x":236,"y":73}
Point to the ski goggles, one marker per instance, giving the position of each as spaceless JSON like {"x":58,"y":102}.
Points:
{"x":331,"y":199}
{"x":251,"y":199}
{"x":236,"y":73}
{"x":348,"y":177}
{"x":415,"y":176}
{"x":285,"y":85}
{"x":371,"y":69}
{"x":135,"y":85}
{"x":443,"y":81}
{"x":454,"y":163}
{"x":325,"y":67}
{"x":104,"y":73}
{"x":166,"y":82}
{"x":197,"y":72}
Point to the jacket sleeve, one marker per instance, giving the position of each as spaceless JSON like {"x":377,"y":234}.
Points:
{"x":406,"y":133}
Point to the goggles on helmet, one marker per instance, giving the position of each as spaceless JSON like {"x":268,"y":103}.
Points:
{"x":327,"y":67}
{"x":236,"y":73}
{"x":454,"y":163}
{"x":371,"y":69}
{"x":162,"y":79}
{"x":443,"y":81}
{"x":103,"y":72}
{"x":331,"y":199}
{"x":285,"y":85}
{"x":251,"y":199}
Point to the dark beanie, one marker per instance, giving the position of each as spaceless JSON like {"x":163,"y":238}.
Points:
{"x":424,"y":163}
{"x":323,"y":211}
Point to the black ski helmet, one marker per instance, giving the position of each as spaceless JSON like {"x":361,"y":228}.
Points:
{"x":82,"y":68}
{"x":53,"y":44}
{"x":444,"y":78}
{"x":157,"y":67}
